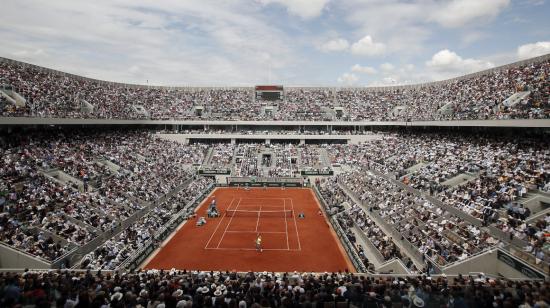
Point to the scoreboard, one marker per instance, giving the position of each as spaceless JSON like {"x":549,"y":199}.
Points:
{"x":269,"y":93}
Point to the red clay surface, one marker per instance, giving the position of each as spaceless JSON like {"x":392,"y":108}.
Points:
{"x":227,"y":243}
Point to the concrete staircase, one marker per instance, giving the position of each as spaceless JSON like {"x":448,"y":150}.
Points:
{"x":109,"y":165}
{"x":386,"y":229}
{"x":7,"y":97}
{"x":324,"y":157}
{"x":208,"y":157}
{"x":459,"y":179}
{"x":140,"y":110}
{"x":369,"y":250}
{"x":63,"y":178}
{"x":269,"y":111}
{"x":538,"y":203}
{"x":398,"y":111}
{"x":413,"y":169}
{"x":12,"y":96}
{"x":86,"y":107}
{"x":447,"y":109}
{"x":516,"y":98}
{"x":328,"y":113}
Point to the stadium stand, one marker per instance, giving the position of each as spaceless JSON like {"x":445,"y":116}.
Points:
{"x":516,"y":91}
{"x":46,"y":209}
{"x":230,"y":289}
{"x":421,"y":212}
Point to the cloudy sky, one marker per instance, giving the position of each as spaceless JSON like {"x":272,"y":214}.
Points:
{"x":290,"y":42}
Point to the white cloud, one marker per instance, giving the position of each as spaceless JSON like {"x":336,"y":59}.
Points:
{"x":303,"y":8}
{"x":367,"y":47}
{"x":535,"y":2}
{"x":236,"y":42}
{"x":533,"y":50}
{"x":408,"y":67}
{"x":28,"y":54}
{"x":392,"y":75}
{"x":387,"y":67}
{"x":348,"y":79}
{"x":457,"y":13}
{"x":401,"y":24}
{"x":406,"y":26}
{"x":338,"y":44}
{"x":446,"y":63}
{"x":363,"y":69}
{"x":471,"y":37}
{"x":394,"y":80}
{"x":168,"y":43}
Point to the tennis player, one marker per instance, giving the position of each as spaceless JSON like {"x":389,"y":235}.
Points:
{"x":259,"y":243}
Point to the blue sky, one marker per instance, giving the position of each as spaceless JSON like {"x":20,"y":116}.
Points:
{"x":289,"y":42}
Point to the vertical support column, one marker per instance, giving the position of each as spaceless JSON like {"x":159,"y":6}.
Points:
{"x":233,"y":141}
{"x":302,"y":141}
{"x":267,"y":141}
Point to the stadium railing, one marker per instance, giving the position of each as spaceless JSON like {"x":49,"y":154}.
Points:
{"x":133,"y":261}
{"x":412,"y":250}
{"x":76,"y":256}
{"x":542,"y":265}
{"x":348,"y":246}
{"x":62,"y":260}
{"x":370,"y":245}
{"x":453,"y":210}
{"x":449,"y":277}
{"x":511,"y":248}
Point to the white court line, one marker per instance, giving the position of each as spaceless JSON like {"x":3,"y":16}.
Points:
{"x":219,"y":223}
{"x":263,"y":232}
{"x":278,"y":249}
{"x":267,"y":198}
{"x":295,"y":224}
{"x":257,"y":203}
{"x":258,"y":221}
{"x":286,"y":224}
{"x":227,"y":227}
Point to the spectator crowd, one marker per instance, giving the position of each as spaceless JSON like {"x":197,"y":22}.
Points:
{"x":484,"y":177}
{"x":173,"y":288}
{"x":484,"y":95}
{"x":59,"y":190}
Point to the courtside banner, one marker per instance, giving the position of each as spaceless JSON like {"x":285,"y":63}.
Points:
{"x":518,"y":265}
{"x":317,"y":172}
{"x":214,"y":171}
{"x":265,"y":184}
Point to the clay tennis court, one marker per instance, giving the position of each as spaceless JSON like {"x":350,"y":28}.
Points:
{"x":289,"y":243}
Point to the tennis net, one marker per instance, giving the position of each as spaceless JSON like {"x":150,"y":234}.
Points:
{"x":261,"y":214}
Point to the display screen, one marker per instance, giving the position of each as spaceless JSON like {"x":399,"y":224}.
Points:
{"x":270,"y":96}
